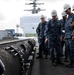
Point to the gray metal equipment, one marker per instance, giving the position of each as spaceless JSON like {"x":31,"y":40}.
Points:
{"x":17,"y":57}
{"x":35,"y":9}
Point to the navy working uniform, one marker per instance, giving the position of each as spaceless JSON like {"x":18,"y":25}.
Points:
{"x":53,"y":31}
{"x":68,"y":37}
{"x":40,"y":32}
{"x":62,"y":22}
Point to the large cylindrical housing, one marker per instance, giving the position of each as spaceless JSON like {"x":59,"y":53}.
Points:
{"x":14,"y":57}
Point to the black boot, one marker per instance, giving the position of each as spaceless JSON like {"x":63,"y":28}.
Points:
{"x":59,"y":62}
{"x":71,"y":64}
{"x":46,"y":56}
{"x":39,"y":57}
{"x":54,"y":63}
{"x":66,"y":59}
{"x":37,"y":53}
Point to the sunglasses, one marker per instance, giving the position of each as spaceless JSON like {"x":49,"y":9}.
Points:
{"x":42,"y":18}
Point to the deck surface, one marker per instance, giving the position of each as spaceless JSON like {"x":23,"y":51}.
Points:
{"x":44,"y":67}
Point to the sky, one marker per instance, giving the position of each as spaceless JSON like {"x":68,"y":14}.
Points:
{"x":12,"y":10}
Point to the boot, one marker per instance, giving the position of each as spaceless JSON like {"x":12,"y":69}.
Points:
{"x":46,"y":56}
{"x":39,"y":57}
{"x":66,"y":60}
{"x":37,"y":53}
{"x":59,"y":62}
{"x":54,"y":63}
{"x":71,"y":64}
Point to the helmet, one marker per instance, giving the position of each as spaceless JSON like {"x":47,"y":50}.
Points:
{"x":66,"y":7}
{"x":64,"y":13}
{"x":42,"y":16}
{"x":54,"y":13}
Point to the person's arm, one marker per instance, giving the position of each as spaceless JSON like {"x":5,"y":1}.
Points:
{"x":73,"y":35}
{"x":38,"y":30}
{"x":60,"y":30}
{"x":72,"y":24}
{"x":46,"y":34}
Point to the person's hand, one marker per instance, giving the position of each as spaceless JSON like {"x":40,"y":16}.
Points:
{"x":61,"y":38}
{"x":72,"y":38}
{"x":73,"y":35}
{"x":46,"y":40}
{"x":72,"y":24}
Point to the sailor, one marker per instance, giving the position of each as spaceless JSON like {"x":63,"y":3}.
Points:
{"x":41,"y":38}
{"x":53,"y":31}
{"x":69,"y":27}
{"x":62,"y":21}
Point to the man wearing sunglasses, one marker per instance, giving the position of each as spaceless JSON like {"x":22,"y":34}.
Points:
{"x":41,"y":38}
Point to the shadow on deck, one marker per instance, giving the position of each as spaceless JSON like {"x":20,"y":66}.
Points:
{"x":44,"y":67}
